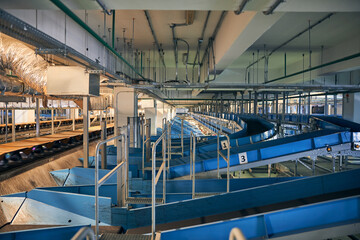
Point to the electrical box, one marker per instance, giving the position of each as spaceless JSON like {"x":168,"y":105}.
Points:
{"x":72,"y":80}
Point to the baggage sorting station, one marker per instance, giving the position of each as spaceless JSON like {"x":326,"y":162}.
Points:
{"x":179,"y":120}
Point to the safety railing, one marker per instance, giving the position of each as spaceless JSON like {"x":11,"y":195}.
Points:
{"x":156,"y":177}
{"x":236,"y":234}
{"x":192,"y":161}
{"x":170,"y":147}
{"x":100,"y":182}
{"x":84,"y":233}
{"x":144,"y":142}
{"x":225,"y":145}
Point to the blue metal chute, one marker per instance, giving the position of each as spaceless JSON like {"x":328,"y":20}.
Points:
{"x":53,"y":233}
{"x":281,"y":223}
{"x":264,"y":150}
{"x":324,"y":186}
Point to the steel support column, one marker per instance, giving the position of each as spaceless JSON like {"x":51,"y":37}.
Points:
{"x":52,"y":121}
{"x":37,"y":118}
{"x":13,"y":130}
{"x":86,"y":131}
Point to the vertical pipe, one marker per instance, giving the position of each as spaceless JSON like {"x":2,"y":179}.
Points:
{"x":218,"y":149}
{"x":182,"y":137}
{"x":266,"y":104}
{"x":283,"y":107}
{"x":136,"y":122}
{"x":242,"y":103}
{"x":37,"y":117}
{"x":277,"y":106}
{"x":6,"y":122}
{"x":263,"y":103}
{"x":309,"y":52}
{"x":148,"y":143}
{"x":309,"y":104}
{"x":165,"y":169}
{"x":113,"y":29}
{"x":326,"y":105}
{"x":299,"y":106}
{"x":141,"y":62}
{"x":13,"y":130}
{"x":335,"y":104}
{"x":52,"y":121}
{"x":284,"y":64}
{"x":255,"y":102}
{"x":103,"y":146}
{"x":153,"y":192}
{"x":73,"y":119}
{"x":86,"y":131}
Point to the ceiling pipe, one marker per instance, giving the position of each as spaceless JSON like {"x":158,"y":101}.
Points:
{"x":160,"y":50}
{"x":273,"y":7}
{"x":317,"y":67}
{"x":291,"y":39}
{"x":189,"y":20}
{"x":200,"y":41}
{"x":213,"y":36}
{"x":74,"y":17}
{"x":241,"y":7}
{"x":103,"y":6}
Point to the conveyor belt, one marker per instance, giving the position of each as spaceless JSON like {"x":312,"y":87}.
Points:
{"x":338,"y":138}
{"x":25,"y":148}
{"x":43,"y":124}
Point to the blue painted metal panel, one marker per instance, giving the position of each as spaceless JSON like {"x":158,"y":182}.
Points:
{"x":82,"y":205}
{"x":81,"y":176}
{"x":280,"y":223}
{"x":53,"y":233}
{"x":242,"y":199}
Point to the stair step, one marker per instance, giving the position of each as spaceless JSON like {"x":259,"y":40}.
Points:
{"x":175,"y":147}
{"x":150,"y":168}
{"x":114,"y":236}
{"x":142,"y":200}
{"x":206,"y":194}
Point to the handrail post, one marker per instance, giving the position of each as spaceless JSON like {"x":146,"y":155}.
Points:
{"x":182,"y":137}
{"x":169,"y":144}
{"x":164,"y":169}
{"x":153,"y":184}
{"x":218,"y":160}
{"x":97,"y":157}
{"x":192,"y":158}
{"x":143,"y":148}
{"x":228,"y":164}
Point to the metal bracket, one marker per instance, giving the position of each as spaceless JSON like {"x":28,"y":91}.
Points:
{"x":56,"y":51}
{"x":95,"y":71}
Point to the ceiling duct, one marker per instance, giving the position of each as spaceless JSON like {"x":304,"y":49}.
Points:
{"x":23,"y":62}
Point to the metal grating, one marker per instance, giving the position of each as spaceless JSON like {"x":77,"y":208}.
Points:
{"x":114,"y":236}
{"x":142,"y":200}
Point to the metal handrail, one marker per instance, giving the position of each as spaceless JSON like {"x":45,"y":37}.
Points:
{"x":98,"y":182}
{"x":192,"y":161}
{"x":236,"y":234}
{"x":227,"y":159}
{"x":182,"y":137}
{"x":144,"y":141}
{"x":156,"y":178}
{"x":84,"y":232}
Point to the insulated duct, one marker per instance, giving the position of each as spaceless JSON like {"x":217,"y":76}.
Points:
{"x":23,"y":62}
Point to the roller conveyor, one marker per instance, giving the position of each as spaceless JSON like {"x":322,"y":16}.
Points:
{"x":24,"y":149}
